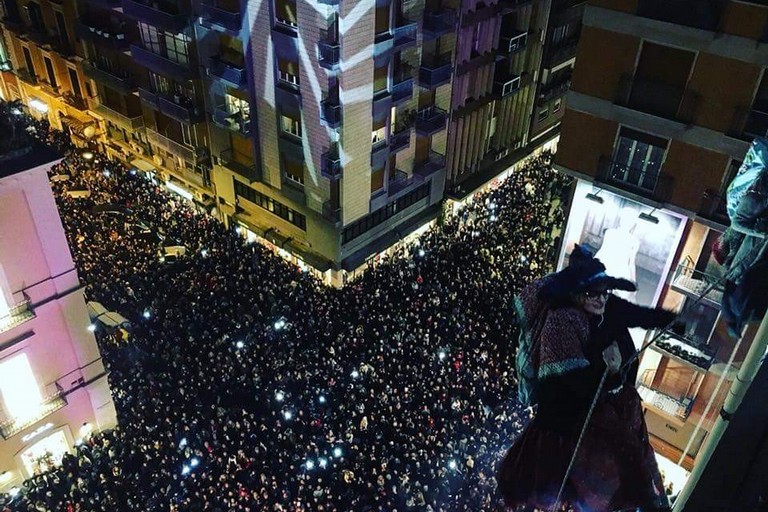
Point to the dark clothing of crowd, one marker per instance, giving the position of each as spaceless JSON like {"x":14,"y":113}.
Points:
{"x":395,"y":393}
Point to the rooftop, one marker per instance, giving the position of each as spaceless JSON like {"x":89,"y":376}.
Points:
{"x":19,"y":149}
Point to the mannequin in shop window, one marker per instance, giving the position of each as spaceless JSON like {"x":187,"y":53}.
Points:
{"x":743,"y":248}
{"x":618,"y":251}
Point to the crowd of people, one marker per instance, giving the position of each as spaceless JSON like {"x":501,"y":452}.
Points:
{"x":247,"y":385}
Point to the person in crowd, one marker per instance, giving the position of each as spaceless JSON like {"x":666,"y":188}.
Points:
{"x":577,"y":340}
{"x":392,"y":393}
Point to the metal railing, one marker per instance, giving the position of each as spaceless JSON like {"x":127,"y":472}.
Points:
{"x":216,"y":16}
{"x":435,"y":70}
{"x":430,"y":120}
{"x":434,"y":163}
{"x":330,"y":163}
{"x":650,"y":184}
{"x":17,"y":315}
{"x":122,"y":120}
{"x":695,"y":282}
{"x":665,"y":395}
{"x":330,"y":50}
{"x":169,"y":145}
{"x":11,"y":426}
{"x":227,"y":158}
{"x":331,"y":112}
{"x":228,"y":71}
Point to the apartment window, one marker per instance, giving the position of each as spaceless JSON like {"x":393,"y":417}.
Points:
{"x":187,"y":134}
{"x":638,"y":159}
{"x":380,"y":79}
{"x":377,"y":179}
{"x":294,"y":171}
{"x":150,"y":37}
{"x":272,"y":206}
{"x":73,"y":79}
{"x":51,"y":72}
{"x":543,"y":114}
{"x":236,"y":105}
{"x":29,"y":62}
{"x":660,"y":80}
{"x":285,"y":12}
{"x":61,"y":26}
{"x":378,"y":135}
{"x":177,"y":48}
{"x":19,"y":389}
{"x":288,"y":71}
{"x":560,"y":33}
{"x":291,"y":125}
{"x":35,"y":16}
{"x":557,"y":105}
{"x":382,"y":19}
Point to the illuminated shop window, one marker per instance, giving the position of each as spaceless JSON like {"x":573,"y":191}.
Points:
{"x":19,"y":389}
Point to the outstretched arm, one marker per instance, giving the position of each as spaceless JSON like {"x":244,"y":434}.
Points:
{"x":633,"y":315}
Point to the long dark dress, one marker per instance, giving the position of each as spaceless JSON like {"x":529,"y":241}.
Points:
{"x":615,"y":467}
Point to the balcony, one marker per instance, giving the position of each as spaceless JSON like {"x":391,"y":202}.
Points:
{"x":26,"y":76}
{"x":658,"y":99}
{"x":404,"y":35}
{"x":118,"y":80}
{"x":564,"y":51}
{"x":684,"y":350}
{"x":159,"y":141}
{"x":228,"y":159}
{"x":692,"y":283}
{"x":330,"y":52}
{"x":331,"y":212}
{"x":438,"y":23}
{"x":651,"y":185}
{"x":17,"y":315}
{"x":216,"y":18}
{"x":554,"y":90}
{"x":121,"y":120}
{"x":234,"y":74}
{"x":181,"y":108}
{"x":234,"y":121}
{"x":505,"y":84}
{"x":430,"y":120}
{"x":435,"y":71}
{"x":50,"y":404}
{"x":165,"y":15}
{"x":402,"y":88}
{"x":399,"y":182}
{"x":435,"y":162}
{"x":163,"y":65}
{"x":399,"y":140}
{"x":513,"y":43}
{"x":330,"y":163}
{"x":330,"y":112}
{"x":105,"y":37}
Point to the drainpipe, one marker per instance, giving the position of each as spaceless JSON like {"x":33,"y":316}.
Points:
{"x":739,"y":388}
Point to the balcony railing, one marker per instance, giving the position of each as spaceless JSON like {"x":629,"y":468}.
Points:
{"x":686,"y":350}
{"x":121,"y":120}
{"x":25,"y":75}
{"x":649,"y":184}
{"x":177,"y":107}
{"x":17,"y":315}
{"x":330,"y":163}
{"x":438,"y":23}
{"x":227,"y":158}
{"x":166,"y":14}
{"x":163,"y":65}
{"x":667,"y":404}
{"x":184,"y":152}
{"x":215,"y":17}
{"x":402,"y":88}
{"x":658,"y":99}
{"x":435,"y":71}
{"x":330,"y":51}
{"x":12,"y":426}
{"x":110,"y":38}
{"x":692,"y":283}
{"x":330,"y":112}
{"x":430,"y":120}
{"x":563,"y":51}
{"x":554,"y":90}
{"x":513,"y":43}
{"x":435,"y":162}
{"x":235,"y":121}
{"x":399,"y":182}
{"x":235,"y":74}
{"x":119,"y":80}
{"x":399,"y":140}
{"x":404,"y":34}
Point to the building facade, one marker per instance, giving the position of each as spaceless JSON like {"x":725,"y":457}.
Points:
{"x":259,"y":112}
{"x":664,"y":103}
{"x":53,"y":385}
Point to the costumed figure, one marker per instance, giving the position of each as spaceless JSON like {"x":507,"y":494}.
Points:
{"x":743,"y":248}
{"x":573,"y":329}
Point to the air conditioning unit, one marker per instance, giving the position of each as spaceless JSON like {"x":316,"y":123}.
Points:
{"x":158,"y":159}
